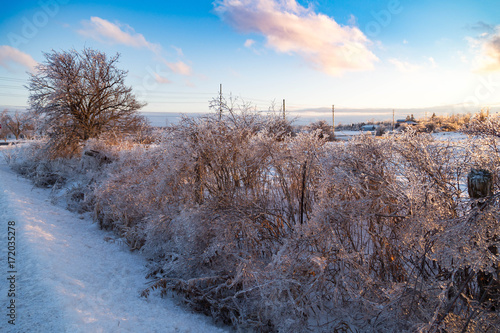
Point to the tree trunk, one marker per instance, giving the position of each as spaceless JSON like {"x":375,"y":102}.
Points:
{"x":303,"y":191}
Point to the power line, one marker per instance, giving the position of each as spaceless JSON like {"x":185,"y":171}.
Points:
{"x":11,"y":87}
{"x":5,"y":78}
{"x":162,"y":114}
{"x":157,"y":92}
{"x":255,"y":99}
{"x":173,"y":99}
{"x":174,"y":102}
{"x":13,"y":95}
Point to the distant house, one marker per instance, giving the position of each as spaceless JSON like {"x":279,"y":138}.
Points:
{"x":400,"y":122}
{"x":369,"y":128}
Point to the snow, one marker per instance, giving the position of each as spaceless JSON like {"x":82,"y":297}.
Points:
{"x":450,"y":136}
{"x":443,"y":136}
{"x":73,"y":277}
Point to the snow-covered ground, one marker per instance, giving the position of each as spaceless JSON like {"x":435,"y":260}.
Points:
{"x":72,"y":277}
{"x":451,"y":136}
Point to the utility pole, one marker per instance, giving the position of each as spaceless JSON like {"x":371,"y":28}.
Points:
{"x":393,"y":120}
{"x":220,"y":102}
{"x":333,"y":120}
{"x":284,"y":114}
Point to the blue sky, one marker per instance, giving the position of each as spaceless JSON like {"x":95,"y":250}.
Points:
{"x":366,"y":57}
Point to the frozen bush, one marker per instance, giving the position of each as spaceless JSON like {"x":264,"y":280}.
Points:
{"x":31,"y":161}
{"x":278,"y":233}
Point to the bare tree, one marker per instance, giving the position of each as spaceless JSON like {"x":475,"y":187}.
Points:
{"x":81,"y":96}
{"x":4,"y":130}
{"x":17,"y":124}
{"x":325,"y":130}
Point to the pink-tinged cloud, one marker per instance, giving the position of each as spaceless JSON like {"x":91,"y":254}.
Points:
{"x":161,"y":79}
{"x":111,"y":33}
{"x":292,"y":28}
{"x":10,"y":55}
{"x":178,"y":67}
{"x":488,"y":58}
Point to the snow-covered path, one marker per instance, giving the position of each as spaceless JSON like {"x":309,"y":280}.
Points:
{"x":70,"y":277}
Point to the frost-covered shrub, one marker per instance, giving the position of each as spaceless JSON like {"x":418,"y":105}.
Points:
{"x":31,"y":161}
{"x":325,"y":130}
{"x":72,"y":179}
{"x":245,"y":189}
{"x":278,"y":233}
{"x":392,"y":245}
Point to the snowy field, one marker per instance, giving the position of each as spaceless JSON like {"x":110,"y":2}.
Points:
{"x":452,"y":136}
{"x":72,"y":277}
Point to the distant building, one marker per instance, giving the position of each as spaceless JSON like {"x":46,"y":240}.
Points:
{"x":400,"y":122}
{"x":369,"y":128}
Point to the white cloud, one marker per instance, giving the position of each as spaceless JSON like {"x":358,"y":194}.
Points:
{"x":9,"y":55}
{"x":117,"y":33}
{"x":404,"y":66}
{"x":249,"y":43}
{"x":352,"y":20}
{"x":111,"y":33}
{"x":487,"y":48}
{"x":482,"y":26}
{"x":463,"y":58}
{"x":178,"y":50}
{"x":432,"y":62}
{"x":409,"y":67}
{"x":292,"y":28}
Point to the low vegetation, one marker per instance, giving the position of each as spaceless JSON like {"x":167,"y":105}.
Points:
{"x":432,"y":124}
{"x":278,"y":233}
{"x":16,"y":124}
